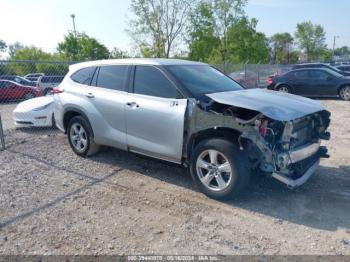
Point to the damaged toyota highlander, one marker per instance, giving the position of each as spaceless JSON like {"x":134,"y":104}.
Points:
{"x":192,"y":114}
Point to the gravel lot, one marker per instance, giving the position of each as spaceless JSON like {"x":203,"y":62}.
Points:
{"x":53,"y":202}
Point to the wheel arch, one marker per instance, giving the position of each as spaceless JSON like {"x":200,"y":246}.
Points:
{"x":219,"y":132}
{"x":341,"y":86}
{"x":71,"y":112}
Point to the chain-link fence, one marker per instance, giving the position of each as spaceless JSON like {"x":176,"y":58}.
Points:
{"x":26,"y":102}
{"x":254,"y":75}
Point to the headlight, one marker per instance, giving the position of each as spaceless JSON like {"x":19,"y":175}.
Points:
{"x":42,"y":107}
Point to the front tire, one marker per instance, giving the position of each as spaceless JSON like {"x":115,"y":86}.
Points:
{"x":80,"y":137}
{"x":219,"y":169}
{"x":344,"y":93}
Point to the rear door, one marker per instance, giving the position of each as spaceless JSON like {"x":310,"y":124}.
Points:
{"x":109,"y":99}
{"x":300,"y":82}
{"x":155,"y":115}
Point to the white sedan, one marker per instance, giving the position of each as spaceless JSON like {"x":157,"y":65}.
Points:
{"x":35,"y":112}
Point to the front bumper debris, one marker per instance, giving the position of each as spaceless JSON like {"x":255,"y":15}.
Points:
{"x":293,"y":183}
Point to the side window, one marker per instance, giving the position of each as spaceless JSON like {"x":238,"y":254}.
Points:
{"x":113,"y":77}
{"x":84,"y":76}
{"x":301,"y":74}
{"x":318,"y":75}
{"x":150,"y":81}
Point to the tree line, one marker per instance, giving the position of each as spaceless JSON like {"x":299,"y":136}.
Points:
{"x":212,"y":31}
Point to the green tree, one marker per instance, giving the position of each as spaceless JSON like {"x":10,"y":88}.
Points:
{"x":227,"y":12}
{"x":117,"y":53}
{"x":3,"y":46}
{"x":158,"y":24}
{"x":245,"y":44}
{"x":13,"y":48}
{"x":82,"y":47}
{"x":202,"y":39}
{"x":341,"y":51}
{"x":311,"y":39}
{"x":282,"y":44}
{"x":38,"y":61}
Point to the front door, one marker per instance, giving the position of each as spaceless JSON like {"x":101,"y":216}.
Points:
{"x":155,"y":115}
{"x":322,"y":83}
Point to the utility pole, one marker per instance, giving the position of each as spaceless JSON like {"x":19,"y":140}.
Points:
{"x":73,"y":18}
{"x":334,"y":39}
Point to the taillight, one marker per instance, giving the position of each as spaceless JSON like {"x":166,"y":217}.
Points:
{"x":57,"y":90}
{"x":269,"y":80}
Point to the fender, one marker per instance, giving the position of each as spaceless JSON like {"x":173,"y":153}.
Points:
{"x":78,"y":111}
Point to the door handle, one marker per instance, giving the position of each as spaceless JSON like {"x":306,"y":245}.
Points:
{"x":132,"y":104}
{"x":90,"y":95}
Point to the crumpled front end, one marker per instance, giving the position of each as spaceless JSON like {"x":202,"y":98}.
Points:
{"x":280,"y":134}
{"x":288,"y":150}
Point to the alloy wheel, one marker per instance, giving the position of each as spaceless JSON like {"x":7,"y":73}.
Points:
{"x":78,"y":137}
{"x":214,"y":170}
{"x":345,"y":93}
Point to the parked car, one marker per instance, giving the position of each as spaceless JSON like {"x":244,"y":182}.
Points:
{"x":47,"y":83}
{"x":321,"y":65}
{"x":18,"y":79}
{"x":345,"y":68}
{"x":35,"y":112}
{"x":10,"y":90}
{"x":247,"y":79}
{"x":190,"y":113}
{"x":33,"y":77}
{"x":313,"y":83}
{"x":279,"y":72}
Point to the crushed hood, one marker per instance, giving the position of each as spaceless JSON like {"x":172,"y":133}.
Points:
{"x":275,"y":105}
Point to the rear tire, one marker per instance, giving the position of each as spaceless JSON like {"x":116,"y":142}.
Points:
{"x":344,"y":93}
{"x":284,"y":89}
{"x":223,"y":178}
{"x":80,"y":137}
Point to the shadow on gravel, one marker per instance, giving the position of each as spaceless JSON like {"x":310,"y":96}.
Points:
{"x":323,"y":202}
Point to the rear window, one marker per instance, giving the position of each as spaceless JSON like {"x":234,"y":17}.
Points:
{"x":112,"y":77}
{"x":84,"y":76}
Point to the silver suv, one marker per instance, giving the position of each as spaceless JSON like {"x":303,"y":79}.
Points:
{"x":192,"y":114}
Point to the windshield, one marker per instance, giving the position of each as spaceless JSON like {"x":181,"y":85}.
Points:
{"x":203,"y":79}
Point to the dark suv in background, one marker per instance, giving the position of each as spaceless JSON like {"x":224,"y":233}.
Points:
{"x":313,"y":82}
{"x":321,"y":65}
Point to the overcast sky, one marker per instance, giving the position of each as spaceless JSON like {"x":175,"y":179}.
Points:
{"x":43,"y":23}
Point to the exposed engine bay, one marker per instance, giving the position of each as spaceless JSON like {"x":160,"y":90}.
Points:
{"x":288,"y":150}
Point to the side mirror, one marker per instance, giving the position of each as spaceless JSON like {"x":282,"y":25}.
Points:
{"x":329,"y":78}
